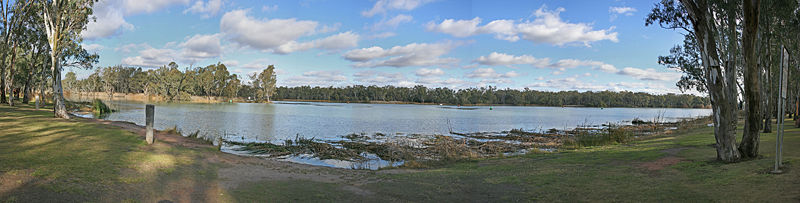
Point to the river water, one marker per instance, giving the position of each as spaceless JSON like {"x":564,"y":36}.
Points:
{"x":256,"y":122}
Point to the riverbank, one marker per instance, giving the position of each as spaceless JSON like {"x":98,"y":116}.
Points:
{"x":47,"y":159}
{"x":86,"y":96}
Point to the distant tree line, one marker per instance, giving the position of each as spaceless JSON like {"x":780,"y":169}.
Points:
{"x":175,"y":85}
{"x":489,"y":96}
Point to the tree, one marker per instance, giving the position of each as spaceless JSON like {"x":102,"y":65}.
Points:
{"x":63,"y":21}
{"x":750,"y":138}
{"x":697,"y":19}
{"x":264,"y":82}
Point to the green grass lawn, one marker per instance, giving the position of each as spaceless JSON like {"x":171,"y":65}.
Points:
{"x":47,"y":159}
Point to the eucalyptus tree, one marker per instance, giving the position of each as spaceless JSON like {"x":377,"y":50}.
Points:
{"x":264,"y":83}
{"x":697,"y":18}
{"x":750,"y":138}
{"x":13,"y":14}
{"x":63,"y":21}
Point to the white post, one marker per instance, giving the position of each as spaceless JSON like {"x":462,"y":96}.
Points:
{"x":781,"y":101}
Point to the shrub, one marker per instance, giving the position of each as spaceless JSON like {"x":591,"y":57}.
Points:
{"x":99,"y":107}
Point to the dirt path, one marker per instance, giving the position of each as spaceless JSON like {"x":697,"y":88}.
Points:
{"x":236,"y":171}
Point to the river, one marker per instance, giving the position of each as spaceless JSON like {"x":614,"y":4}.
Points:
{"x":257,"y":122}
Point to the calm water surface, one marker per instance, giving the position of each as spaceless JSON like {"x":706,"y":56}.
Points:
{"x":285,"y":120}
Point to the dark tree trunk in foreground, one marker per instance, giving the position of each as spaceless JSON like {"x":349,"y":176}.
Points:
{"x":751,"y":138}
{"x":724,"y":114}
{"x":10,"y":81}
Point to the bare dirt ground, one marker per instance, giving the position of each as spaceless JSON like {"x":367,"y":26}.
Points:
{"x":236,"y":170}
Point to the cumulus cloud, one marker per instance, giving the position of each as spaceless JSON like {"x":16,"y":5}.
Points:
{"x":393,"y":22}
{"x":573,"y":83}
{"x":280,"y":35}
{"x":414,"y":54}
{"x":490,"y":73}
{"x":616,"y":11}
{"x":199,"y":47}
{"x":331,"y":43}
{"x":381,"y":6}
{"x":207,"y":8}
{"x":370,"y":77}
{"x":263,"y":34}
{"x":628,"y":11}
{"x":424,"y":72}
{"x":546,"y":27}
{"x":108,"y":21}
{"x":649,"y":74}
{"x":151,"y":57}
{"x":317,"y":78}
{"x":495,"y":59}
{"x":93,"y":47}
{"x":148,"y":6}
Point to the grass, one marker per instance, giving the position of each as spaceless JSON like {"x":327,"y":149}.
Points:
{"x":46,"y":159}
{"x":56,"y":160}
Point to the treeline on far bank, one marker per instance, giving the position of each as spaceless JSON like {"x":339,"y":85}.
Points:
{"x":215,"y":81}
{"x":489,"y":96}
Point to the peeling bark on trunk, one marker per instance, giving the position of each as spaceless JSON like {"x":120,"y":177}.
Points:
{"x":723,"y":112}
{"x":58,"y":96}
{"x":750,"y":138}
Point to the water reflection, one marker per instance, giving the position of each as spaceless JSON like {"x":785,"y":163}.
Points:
{"x":252,"y":122}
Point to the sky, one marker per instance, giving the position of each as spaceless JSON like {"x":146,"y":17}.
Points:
{"x":541,"y":45}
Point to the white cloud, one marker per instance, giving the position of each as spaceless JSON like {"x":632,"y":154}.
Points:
{"x":208,"y":9}
{"x":424,"y":72}
{"x":573,"y":83}
{"x":231,"y":63}
{"x":267,"y":8}
{"x":628,"y":11}
{"x":383,"y":35}
{"x":331,"y":43}
{"x":317,"y":78}
{"x":200,"y":47}
{"x":649,"y":74}
{"x":495,"y":59}
{"x":393,"y":22}
{"x":130,"y":47}
{"x":382,"y":6}
{"x":496,"y":81}
{"x":413,"y":54}
{"x":616,"y":11}
{"x":151,"y":57}
{"x":457,"y":28}
{"x":263,"y":34}
{"x":108,"y":21}
{"x":371,"y":77}
{"x":93,"y":47}
{"x":490,"y":73}
{"x":547,"y":27}
{"x":148,"y":6}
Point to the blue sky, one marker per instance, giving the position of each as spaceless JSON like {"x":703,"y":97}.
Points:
{"x":542,"y":45}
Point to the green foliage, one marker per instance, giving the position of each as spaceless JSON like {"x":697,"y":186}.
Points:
{"x":98,"y":107}
{"x":167,"y":81}
{"x":489,"y":95}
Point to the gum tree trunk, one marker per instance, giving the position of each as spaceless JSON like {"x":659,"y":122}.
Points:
{"x":58,"y":96}
{"x":724,"y":113}
{"x":751,"y":137}
{"x":9,"y":85}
